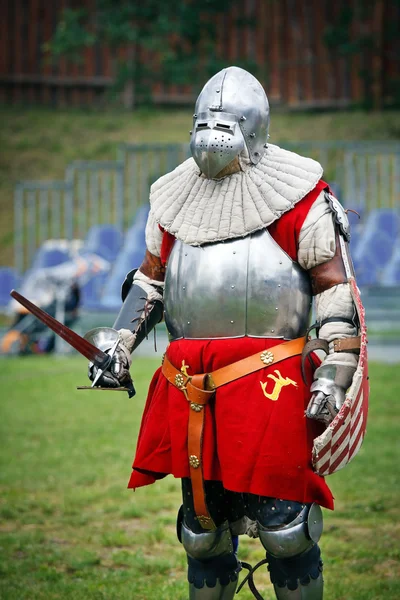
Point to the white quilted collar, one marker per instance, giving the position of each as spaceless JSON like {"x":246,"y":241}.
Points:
{"x":197,"y":210}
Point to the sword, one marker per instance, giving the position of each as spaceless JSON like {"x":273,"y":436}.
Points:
{"x":100,"y":359}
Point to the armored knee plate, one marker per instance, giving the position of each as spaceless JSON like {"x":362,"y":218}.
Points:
{"x":213,"y":566}
{"x":210,"y":544}
{"x":296,"y":537}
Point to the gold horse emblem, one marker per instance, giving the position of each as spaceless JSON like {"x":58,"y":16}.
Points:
{"x":184,"y":368}
{"x":280,"y":382}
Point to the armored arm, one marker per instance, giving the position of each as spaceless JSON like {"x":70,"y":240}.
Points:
{"x":142,"y":309}
{"x":323,"y":250}
{"x":142,"y":295}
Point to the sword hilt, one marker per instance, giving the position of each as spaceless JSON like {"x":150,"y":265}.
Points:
{"x":106,"y":362}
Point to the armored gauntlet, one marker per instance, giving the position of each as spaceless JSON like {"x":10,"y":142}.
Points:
{"x":117,"y":374}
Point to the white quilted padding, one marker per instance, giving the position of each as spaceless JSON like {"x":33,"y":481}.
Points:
{"x":149,"y":286}
{"x":127,"y":340}
{"x":153,"y":235}
{"x":197,"y":210}
{"x":337,"y":302}
{"x":317,"y":236}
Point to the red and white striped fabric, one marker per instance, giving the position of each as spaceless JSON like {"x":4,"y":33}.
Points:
{"x":342,"y":439}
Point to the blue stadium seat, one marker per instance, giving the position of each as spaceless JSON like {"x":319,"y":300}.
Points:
{"x":356,"y":234}
{"x":135,"y":237}
{"x":385,"y":220}
{"x":127,"y":260}
{"x":141,"y":215}
{"x":104,"y":240}
{"x":375,"y":246}
{"x":91,"y":291}
{"x":136,"y":233}
{"x":391,"y":273}
{"x":130,"y":257}
{"x":9,"y":279}
{"x":50,"y":257}
{"x":355,"y":220}
{"x":366,"y":271}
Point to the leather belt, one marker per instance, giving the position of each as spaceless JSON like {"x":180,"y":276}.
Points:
{"x":199,"y":390}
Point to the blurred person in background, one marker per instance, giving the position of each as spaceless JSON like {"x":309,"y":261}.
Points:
{"x":240,"y":238}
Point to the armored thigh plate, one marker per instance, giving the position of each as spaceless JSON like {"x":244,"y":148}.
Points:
{"x":295,"y":537}
{"x":242,"y":287}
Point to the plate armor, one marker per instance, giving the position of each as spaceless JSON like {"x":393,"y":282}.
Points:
{"x":244,"y":287}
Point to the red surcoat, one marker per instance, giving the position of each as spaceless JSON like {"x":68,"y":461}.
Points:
{"x":256,"y":436}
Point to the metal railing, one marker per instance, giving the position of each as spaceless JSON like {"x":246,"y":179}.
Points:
{"x":144,"y":164}
{"x":367,"y":173}
{"x":96,"y":192}
{"x":42,"y":210}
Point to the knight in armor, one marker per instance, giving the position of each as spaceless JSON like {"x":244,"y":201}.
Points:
{"x":240,"y":239}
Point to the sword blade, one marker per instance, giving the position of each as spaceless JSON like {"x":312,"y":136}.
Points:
{"x":97,"y":356}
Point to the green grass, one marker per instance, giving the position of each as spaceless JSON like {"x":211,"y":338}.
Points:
{"x":38,"y":143}
{"x":69,"y":528}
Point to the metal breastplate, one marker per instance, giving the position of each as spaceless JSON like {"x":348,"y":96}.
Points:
{"x":242,"y":287}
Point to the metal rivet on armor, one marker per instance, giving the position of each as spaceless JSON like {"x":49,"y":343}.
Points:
{"x":194,"y":461}
{"x":279,"y":285}
{"x":232,"y":322}
{"x":188,"y":323}
{"x":276,"y":308}
{"x":272,"y":507}
{"x":266,"y":145}
{"x":256,"y":153}
{"x":243,"y":118}
{"x":272,"y":330}
{"x":280,"y":262}
{"x":234,"y":252}
{"x":184,"y":287}
{"x":289,"y":508}
{"x":194,"y":116}
{"x":190,"y":132}
{"x":218,"y":91}
{"x":252,"y":135}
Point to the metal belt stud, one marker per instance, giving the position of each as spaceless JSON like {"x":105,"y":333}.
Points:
{"x":267,"y":357}
{"x":196,"y":407}
{"x":179,"y":381}
{"x":194,"y":461}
